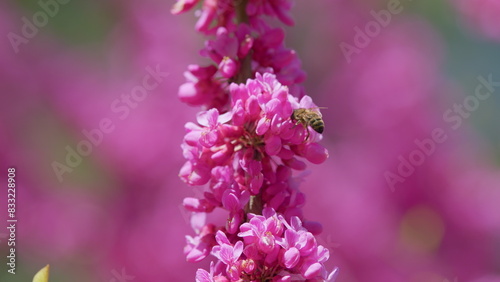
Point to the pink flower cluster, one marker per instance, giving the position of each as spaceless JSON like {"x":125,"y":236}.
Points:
{"x":245,"y":146}
{"x":242,"y":47}
{"x":271,"y":250}
{"x":246,"y":156}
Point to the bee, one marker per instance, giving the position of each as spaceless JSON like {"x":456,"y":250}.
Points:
{"x":309,"y":117}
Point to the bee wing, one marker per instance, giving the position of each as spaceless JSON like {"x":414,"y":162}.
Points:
{"x":316,"y":110}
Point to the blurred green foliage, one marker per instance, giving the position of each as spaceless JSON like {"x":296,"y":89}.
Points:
{"x":77,"y":22}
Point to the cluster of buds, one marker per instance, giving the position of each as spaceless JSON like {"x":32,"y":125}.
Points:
{"x":250,"y":139}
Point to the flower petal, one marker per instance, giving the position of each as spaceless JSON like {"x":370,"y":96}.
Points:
{"x":291,"y":257}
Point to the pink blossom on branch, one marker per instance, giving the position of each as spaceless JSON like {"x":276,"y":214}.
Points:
{"x":250,"y":137}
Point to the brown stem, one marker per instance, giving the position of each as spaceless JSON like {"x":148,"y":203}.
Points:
{"x":241,"y":14}
{"x":246,"y":63}
{"x":255,"y":204}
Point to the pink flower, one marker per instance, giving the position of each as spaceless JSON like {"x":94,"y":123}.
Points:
{"x":277,"y":8}
{"x":224,"y":45}
{"x":262,"y":232}
{"x":183,"y":6}
{"x":201,"y":88}
{"x":205,"y":276}
{"x":211,"y":121}
{"x":199,"y":247}
{"x":234,"y":201}
{"x":228,"y":67}
{"x":229,"y":255}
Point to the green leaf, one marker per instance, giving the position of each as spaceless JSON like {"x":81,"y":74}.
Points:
{"x":42,"y":275}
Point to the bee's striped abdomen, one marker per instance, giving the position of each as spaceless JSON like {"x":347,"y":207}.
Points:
{"x":317,"y":124}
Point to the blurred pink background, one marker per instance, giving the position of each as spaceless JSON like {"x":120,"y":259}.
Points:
{"x":117,"y":213}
